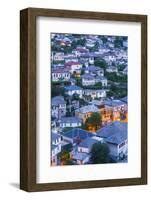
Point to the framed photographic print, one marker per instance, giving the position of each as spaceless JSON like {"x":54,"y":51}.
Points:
{"x":83,"y":93}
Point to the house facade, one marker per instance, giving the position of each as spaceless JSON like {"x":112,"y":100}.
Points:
{"x":111,"y":69}
{"x":74,"y":89}
{"x":70,"y":122}
{"x":86,"y":112}
{"x":115,"y":136}
{"x":58,"y":107}
{"x":60,"y":74}
{"x":56,"y":148}
{"x":59,"y":56}
{"x":88,"y":80}
{"x":94,"y":93}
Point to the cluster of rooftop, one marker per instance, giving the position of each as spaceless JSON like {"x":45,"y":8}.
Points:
{"x":88,"y":97}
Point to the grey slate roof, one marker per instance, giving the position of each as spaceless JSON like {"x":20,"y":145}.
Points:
{"x":55,"y":136}
{"x":114,"y":102}
{"x":70,"y":120}
{"x":97,"y":102}
{"x":79,"y":156}
{"x":72,"y":87}
{"x":77,"y":132}
{"x":88,"y":143}
{"x":88,"y":77}
{"x":116,"y":127}
{"x":117,"y":138}
{"x":89,"y":108}
{"x":57,"y":100}
{"x":93,"y":68}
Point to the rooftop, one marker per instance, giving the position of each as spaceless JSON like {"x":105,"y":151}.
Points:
{"x":117,"y":138}
{"x":88,"y":108}
{"x":72,"y":63}
{"x":97,"y":102}
{"x":79,"y":156}
{"x":72,"y":87}
{"x":88,"y":77}
{"x":54,"y":137}
{"x":112,"y":128}
{"x":93,"y":68}
{"x":114,"y":102}
{"x":57,"y":100}
{"x":88,"y":143}
{"x":60,"y":70}
{"x":78,"y":133}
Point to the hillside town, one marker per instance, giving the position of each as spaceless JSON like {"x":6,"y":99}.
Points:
{"x":89,"y":105}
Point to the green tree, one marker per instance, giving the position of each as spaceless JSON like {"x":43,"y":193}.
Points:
{"x":100,"y":153}
{"x":93,"y":121}
{"x":118,"y":42}
{"x":97,"y":86}
{"x":57,"y":90}
{"x":100,"y":63}
{"x":104,"y":39}
{"x":64,"y":156}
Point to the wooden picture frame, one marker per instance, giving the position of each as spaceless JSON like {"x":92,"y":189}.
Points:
{"x":28,"y":98}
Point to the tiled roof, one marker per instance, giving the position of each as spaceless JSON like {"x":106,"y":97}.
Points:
{"x":97,"y":102}
{"x":89,"y":108}
{"x":112,"y":128}
{"x":54,"y":137}
{"x":117,"y":138}
{"x":114,"y":102}
{"x":77,"y":132}
{"x":88,"y":77}
{"x":60,"y":70}
{"x":72,"y":87}
{"x":79,"y":156}
{"x":57,"y":100}
{"x":72,"y":63}
{"x":93,"y":68}
{"x":88,"y":143}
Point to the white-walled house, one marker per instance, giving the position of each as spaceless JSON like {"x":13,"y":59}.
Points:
{"x":74,"y":67}
{"x":85,"y":146}
{"x":112,"y":69}
{"x":118,"y":145}
{"x":81,"y":155}
{"x":102,"y":80}
{"x":55,"y":148}
{"x":58,"y":107}
{"x":60,"y":74}
{"x":59,"y":56}
{"x":70,"y":122}
{"x":86,"y":112}
{"x":110,"y":57}
{"x":73,"y":89}
{"x":80,"y":158}
{"x":88,"y":80}
{"x":95,"y":93}
{"x":79,"y":51}
{"x":93,"y":70}
{"x":115,"y":136}
{"x":116,"y":104}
